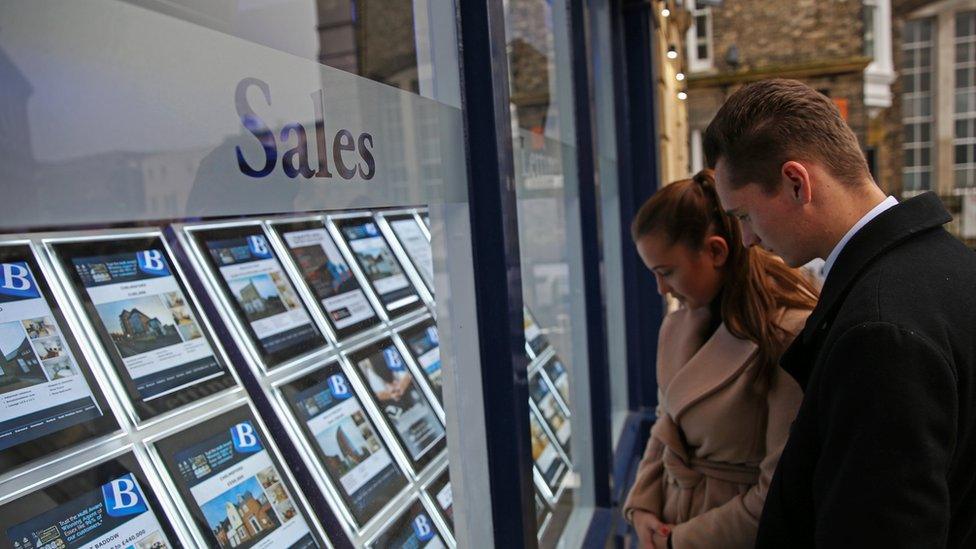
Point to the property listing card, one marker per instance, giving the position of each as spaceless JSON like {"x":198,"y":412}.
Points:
{"x":107,"y":507}
{"x":424,"y":345}
{"x":405,"y":408}
{"x":346,"y":441}
{"x":541,"y":509}
{"x":534,"y":338}
{"x":378,"y":263}
{"x":48,"y":397}
{"x":263,"y":296}
{"x":550,"y":409}
{"x":556,"y":372}
{"x":328,"y":276}
{"x":413,"y":529}
{"x":440,"y":491}
{"x":233,"y":487}
{"x":550,"y":464}
{"x":146,"y":322}
{"x":415,"y":243}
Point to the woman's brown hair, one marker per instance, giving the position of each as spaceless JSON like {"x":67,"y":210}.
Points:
{"x":757,"y":284}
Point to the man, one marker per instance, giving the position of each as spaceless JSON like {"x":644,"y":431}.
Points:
{"x":883,"y":450}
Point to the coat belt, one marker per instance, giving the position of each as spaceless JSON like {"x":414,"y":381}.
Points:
{"x":687,"y":474}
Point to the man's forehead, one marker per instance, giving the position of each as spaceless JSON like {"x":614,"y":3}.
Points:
{"x":731,"y":197}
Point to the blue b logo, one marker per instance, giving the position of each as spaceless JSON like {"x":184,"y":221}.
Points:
{"x":122,"y":497}
{"x":153,"y":263}
{"x":16,"y":281}
{"x":422,"y":528}
{"x":339,"y":387}
{"x":245,"y":438}
{"x":393,"y":359}
{"x":258,"y":246}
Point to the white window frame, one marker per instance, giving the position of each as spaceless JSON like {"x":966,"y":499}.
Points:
{"x":880,"y":73}
{"x":931,"y":119}
{"x":696,"y":64}
{"x":969,"y":115}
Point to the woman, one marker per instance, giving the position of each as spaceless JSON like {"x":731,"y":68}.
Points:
{"x":725,"y":406}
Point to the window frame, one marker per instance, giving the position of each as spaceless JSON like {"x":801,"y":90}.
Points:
{"x":696,"y":63}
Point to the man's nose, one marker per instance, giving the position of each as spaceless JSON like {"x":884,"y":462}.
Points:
{"x":662,"y":286}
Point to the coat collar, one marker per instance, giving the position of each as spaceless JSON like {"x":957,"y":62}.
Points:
{"x":891,"y":228}
{"x":691,"y":371}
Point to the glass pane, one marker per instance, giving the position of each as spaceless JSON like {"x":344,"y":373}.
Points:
{"x":965,"y":177}
{"x":548,"y":209}
{"x":961,"y":103}
{"x":924,"y":81}
{"x":909,"y":107}
{"x":965,"y":23}
{"x":925,"y":30}
{"x":370,"y":38}
{"x":908,"y":181}
{"x":908,"y":82}
{"x":963,"y":52}
{"x":701,"y":26}
{"x":869,"y":30}
{"x":964,"y":78}
{"x":219,"y":113}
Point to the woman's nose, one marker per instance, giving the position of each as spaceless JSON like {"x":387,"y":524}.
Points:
{"x":662,"y":286}
{"x":749,"y":238}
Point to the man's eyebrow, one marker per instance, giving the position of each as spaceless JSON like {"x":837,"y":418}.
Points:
{"x":732,"y":212}
{"x":661,"y":266}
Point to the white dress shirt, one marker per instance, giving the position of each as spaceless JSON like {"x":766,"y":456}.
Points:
{"x":875,"y":212}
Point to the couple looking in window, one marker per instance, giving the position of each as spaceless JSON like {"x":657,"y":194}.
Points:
{"x":788,"y":416}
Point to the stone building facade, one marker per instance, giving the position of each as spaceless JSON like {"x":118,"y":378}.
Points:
{"x":910,"y":98}
{"x":930,"y":129}
{"x":820,"y":43}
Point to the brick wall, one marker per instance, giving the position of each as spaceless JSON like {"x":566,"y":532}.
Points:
{"x":819,"y":39}
{"x":777,"y":32}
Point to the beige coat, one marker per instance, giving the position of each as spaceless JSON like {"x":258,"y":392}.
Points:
{"x":715,"y":444}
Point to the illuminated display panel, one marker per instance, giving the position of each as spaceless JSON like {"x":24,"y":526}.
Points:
{"x":345,"y":441}
{"x":262,"y":295}
{"x":145,"y":321}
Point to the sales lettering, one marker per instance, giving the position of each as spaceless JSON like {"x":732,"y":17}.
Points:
{"x":351,"y":155}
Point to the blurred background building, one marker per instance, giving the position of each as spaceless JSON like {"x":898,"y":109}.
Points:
{"x":901,"y":72}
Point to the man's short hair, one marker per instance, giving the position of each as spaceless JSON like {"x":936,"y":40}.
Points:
{"x":765,"y":124}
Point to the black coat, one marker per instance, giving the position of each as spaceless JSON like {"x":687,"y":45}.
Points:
{"x":883,"y":449}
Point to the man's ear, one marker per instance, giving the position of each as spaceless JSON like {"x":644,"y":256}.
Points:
{"x":717,"y":249}
{"x":798,"y":181}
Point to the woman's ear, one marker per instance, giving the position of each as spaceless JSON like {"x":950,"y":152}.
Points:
{"x":717,"y":249}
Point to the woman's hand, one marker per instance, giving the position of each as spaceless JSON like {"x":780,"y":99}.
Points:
{"x":650,"y":530}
